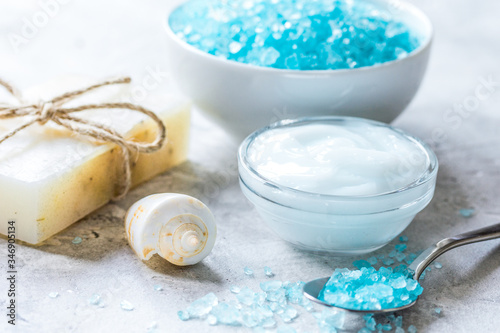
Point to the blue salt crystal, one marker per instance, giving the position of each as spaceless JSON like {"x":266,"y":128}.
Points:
{"x":96,"y":299}
{"x":226,"y":314}
{"x":467,"y":212}
{"x":365,"y":330}
{"x":278,"y":295}
{"x":294,"y":34}
{"x":398,"y":321}
{"x":372,"y":260}
{"x":399,"y":282}
{"x":399,"y":330}
{"x":289,"y":313}
{"x":268,"y":271}
{"x":246,"y":296}
{"x":401,"y":269}
{"x":400,"y":247}
{"x":388,"y":261}
{"x":54,"y":294}
{"x":126,"y":305}
{"x":158,"y":287}
{"x":248,"y":271}
{"x":271,"y":285}
{"x":410,"y":258}
{"x":412,"y":329}
{"x":183,"y":315}
{"x":438,"y":265}
{"x":393,"y":253}
{"x":361,"y":263}
{"x":269,"y":322}
{"x":250,"y":318}
{"x":235,"y":289}
{"x":77,"y":240}
{"x":403,"y":238}
{"x":370,"y":322}
{"x":211,"y":320}
{"x":437,"y":310}
{"x":152,"y":327}
{"x":368,"y":289}
{"x":400,"y":256}
{"x":201,"y":307}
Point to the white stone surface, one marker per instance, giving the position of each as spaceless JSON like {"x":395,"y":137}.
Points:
{"x":125,"y":37}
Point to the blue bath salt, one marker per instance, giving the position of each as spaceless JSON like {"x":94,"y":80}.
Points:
{"x":466,"y":212}
{"x":369,"y":289}
{"x":295,"y":34}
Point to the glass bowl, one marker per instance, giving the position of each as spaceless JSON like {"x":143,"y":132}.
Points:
{"x":342,"y":225}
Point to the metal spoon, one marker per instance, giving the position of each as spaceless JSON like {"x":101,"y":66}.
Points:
{"x":353,"y":319}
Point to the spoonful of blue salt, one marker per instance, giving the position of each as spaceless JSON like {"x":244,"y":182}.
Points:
{"x":385,"y":290}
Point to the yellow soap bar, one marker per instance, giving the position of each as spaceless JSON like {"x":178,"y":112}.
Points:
{"x":51,"y":178}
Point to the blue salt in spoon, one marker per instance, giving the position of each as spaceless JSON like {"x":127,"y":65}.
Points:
{"x":353,"y":319}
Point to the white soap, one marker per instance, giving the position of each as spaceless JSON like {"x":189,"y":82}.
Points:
{"x":50,"y":177}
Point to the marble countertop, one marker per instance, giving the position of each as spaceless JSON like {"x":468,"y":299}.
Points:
{"x":101,"y":38}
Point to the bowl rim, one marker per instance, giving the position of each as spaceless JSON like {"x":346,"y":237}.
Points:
{"x":428,"y":175}
{"x":403,"y":5}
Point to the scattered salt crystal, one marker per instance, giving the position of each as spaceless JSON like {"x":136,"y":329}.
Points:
{"x":268,"y":271}
{"x":400,"y":256}
{"x":437,"y":310}
{"x":438,"y":265}
{"x":158,"y":287}
{"x":248,"y":271}
{"x":467,"y":212}
{"x":54,"y":294}
{"x":95,"y":299}
{"x":361,"y":263}
{"x":399,"y":330}
{"x":412,"y":329}
{"x":400,"y":247}
{"x":271,"y":285}
{"x":152,"y":327}
{"x":372,"y":260}
{"x":126,"y":305}
{"x":77,"y":240}
{"x":388,"y":261}
{"x":212,"y":320}
{"x":269,"y":322}
{"x":201,"y":307}
{"x":226,"y":314}
{"x":403,"y":238}
{"x":183,"y":315}
{"x":246,"y":296}
{"x":235,"y":289}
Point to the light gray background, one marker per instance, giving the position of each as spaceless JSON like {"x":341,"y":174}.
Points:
{"x":103,"y":38}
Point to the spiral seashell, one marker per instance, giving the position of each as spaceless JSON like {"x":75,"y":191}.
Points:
{"x":179,"y":228}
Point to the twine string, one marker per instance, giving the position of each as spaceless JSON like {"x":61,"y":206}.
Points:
{"x":54,"y":111}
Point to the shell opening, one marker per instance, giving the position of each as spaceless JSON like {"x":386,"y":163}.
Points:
{"x":184,"y":236}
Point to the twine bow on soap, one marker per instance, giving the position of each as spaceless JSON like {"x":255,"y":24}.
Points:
{"x":54,"y":111}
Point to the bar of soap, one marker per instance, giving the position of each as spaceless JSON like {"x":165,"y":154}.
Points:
{"x":51,"y":178}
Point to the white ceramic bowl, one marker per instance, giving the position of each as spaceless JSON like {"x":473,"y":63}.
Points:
{"x":244,"y":97}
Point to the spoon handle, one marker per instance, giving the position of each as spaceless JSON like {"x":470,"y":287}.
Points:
{"x":429,"y":255}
